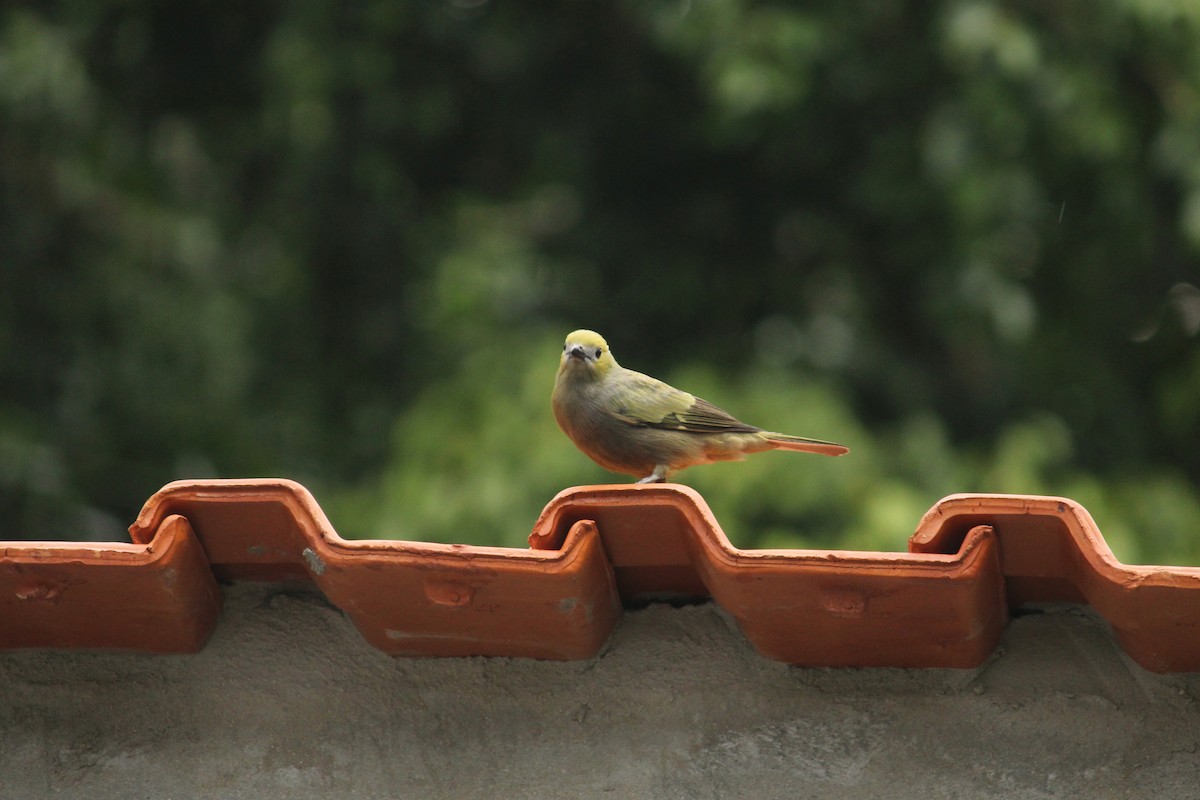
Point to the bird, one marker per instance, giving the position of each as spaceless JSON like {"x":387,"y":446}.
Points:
{"x":637,"y":425}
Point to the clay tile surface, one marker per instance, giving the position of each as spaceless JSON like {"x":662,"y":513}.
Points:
{"x":593,"y":551}
{"x":811,"y":607}
{"x":158,"y":596}
{"x":407,"y":598}
{"x":1052,"y":551}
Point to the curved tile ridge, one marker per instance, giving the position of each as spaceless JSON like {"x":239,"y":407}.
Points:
{"x":806,"y":607}
{"x":406,"y":598}
{"x":1053,"y":551}
{"x":158,"y":596}
{"x":944,"y":603}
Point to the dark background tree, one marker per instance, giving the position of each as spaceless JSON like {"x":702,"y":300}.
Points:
{"x":342,"y":242}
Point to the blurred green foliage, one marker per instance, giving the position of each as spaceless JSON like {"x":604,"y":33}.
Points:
{"x":342,"y":243}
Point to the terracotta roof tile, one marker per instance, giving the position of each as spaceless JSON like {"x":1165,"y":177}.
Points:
{"x":1052,"y":551}
{"x":407,"y":598}
{"x":594,"y":549}
{"x":811,"y":607}
{"x":158,"y":596}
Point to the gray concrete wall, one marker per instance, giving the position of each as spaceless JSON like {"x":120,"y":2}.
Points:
{"x":287,"y":701}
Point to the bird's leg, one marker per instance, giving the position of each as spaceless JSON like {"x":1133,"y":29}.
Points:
{"x":658,"y":476}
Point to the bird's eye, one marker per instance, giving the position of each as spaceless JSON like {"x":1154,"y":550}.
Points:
{"x":598,"y":352}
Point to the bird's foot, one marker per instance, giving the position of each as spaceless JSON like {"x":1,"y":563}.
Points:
{"x":658,"y":476}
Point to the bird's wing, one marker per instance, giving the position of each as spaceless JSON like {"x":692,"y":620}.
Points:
{"x":648,"y":402}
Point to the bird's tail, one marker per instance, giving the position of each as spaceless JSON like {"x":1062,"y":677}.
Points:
{"x":783,"y":441}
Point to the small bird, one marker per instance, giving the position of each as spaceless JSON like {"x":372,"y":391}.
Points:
{"x":631,"y":423}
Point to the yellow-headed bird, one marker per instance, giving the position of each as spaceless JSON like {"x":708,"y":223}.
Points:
{"x":629,"y":422}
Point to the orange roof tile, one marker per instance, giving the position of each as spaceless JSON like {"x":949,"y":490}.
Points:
{"x":1052,"y":551}
{"x":811,"y":607}
{"x":158,"y":596}
{"x":942,"y":604}
{"x":407,"y":598}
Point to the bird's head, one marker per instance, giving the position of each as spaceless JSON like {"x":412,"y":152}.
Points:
{"x":586,"y":353}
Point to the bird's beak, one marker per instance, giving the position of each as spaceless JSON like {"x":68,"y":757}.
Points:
{"x":576,"y":351}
